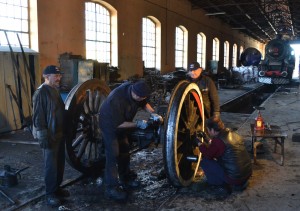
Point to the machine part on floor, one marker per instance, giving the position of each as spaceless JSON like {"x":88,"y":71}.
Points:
{"x":84,"y":144}
{"x":185,"y":117}
{"x":9,"y":176}
{"x":296,"y":137}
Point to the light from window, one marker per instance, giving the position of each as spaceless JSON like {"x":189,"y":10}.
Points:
{"x":226,"y":54}
{"x":234,"y":55}
{"x":215,"y":53}
{"x":179,"y":48}
{"x":149,"y":43}
{"x":97,"y":32}
{"x":14,"y":20}
{"x":241,"y":50}
{"x":201,"y":50}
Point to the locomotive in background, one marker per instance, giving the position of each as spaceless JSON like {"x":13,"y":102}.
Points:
{"x":278,"y":65}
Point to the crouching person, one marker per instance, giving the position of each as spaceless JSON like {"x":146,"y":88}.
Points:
{"x":225,"y":160}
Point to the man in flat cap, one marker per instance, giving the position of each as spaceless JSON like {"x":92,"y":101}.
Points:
{"x":48,"y":127}
{"x":116,"y":115}
{"x":208,"y":90}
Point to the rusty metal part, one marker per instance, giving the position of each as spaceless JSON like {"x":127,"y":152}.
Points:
{"x":185,"y":117}
{"x":84,"y":144}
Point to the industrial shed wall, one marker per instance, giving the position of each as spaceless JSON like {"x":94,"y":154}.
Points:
{"x":61,"y":29}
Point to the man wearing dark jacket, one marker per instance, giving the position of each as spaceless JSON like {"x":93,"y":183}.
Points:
{"x":208,"y":90}
{"x":115,"y":118}
{"x":48,"y":127}
{"x":225,"y":160}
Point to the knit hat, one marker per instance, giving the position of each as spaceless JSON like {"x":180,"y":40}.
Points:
{"x":141,"y":89}
{"x":51,"y":69}
{"x":194,"y":66}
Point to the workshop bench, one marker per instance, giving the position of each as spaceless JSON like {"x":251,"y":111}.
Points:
{"x":273,"y":132}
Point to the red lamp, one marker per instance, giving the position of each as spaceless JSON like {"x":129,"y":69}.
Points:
{"x":259,"y":121}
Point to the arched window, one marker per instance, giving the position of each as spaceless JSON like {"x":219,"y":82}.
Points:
{"x":180,"y":47}
{"x":98,"y":32}
{"x":215,"y":50}
{"x":149,"y":43}
{"x":234,"y":55}
{"x":226,"y":54}
{"x":201,"y":48}
{"x":241,"y":50}
{"x":14,"y":19}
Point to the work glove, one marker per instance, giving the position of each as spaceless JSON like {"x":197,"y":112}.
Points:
{"x":142,"y":124}
{"x":157,"y":118}
{"x":196,"y":142}
{"x":203,"y":135}
{"x":42,"y":137}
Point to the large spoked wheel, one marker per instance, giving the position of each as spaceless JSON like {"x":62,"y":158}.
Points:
{"x":84,"y":144}
{"x":185,"y":117}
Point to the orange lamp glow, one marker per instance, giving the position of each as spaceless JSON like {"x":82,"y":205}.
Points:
{"x":259,"y":122}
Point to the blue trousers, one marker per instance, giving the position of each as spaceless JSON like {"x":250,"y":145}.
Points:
{"x":213,"y":171}
{"x":54,"y":165}
{"x":117,"y":157}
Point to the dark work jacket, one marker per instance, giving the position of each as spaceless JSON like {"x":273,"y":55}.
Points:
{"x":118,"y":107}
{"x":49,"y":112}
{"x":235,"y":160}
{"x":209,"y":94}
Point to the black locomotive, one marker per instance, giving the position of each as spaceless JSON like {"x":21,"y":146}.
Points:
{"x":278,"y":64}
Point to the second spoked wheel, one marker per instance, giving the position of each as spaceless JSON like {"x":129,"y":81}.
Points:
{"x":84,"y":141}
{"x":184,"y":118}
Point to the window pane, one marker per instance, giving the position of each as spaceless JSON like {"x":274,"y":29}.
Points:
{"x":98,"y":32}
{"x":179,"y":48}
{"x":200,"y":49}
{"x":149,"y":43}
{"x":14,"y":19}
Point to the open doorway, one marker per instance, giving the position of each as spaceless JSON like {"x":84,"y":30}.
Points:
{"x":296,"y":48}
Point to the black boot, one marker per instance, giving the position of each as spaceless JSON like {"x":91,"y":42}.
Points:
{"x":52,"y":200}
{"x":115,"y":193}
{"x":129,"y":183}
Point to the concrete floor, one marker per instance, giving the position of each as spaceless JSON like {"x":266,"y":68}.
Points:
{"x":272,"y":186}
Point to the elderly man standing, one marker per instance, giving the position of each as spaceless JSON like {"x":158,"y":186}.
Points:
{"x":48,"y":124}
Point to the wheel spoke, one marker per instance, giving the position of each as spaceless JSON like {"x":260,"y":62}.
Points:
{"x":78,"y":141}
{"x":97,"y":102}
{"x":82,"y":148}
{"x":91,"y":100}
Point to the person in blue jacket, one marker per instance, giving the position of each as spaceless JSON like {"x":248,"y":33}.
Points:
{"x":115,"y":118}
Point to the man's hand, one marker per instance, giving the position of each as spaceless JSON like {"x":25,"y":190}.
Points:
{"x":44,"y":144}
{"x":142,"y":124}
{"x":196,"y":142}
{"x":157,"y":118}
{"x":203,"y":135}
{"x":42,"y":136}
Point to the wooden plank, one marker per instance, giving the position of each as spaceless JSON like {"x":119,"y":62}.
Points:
{"x":3,"y":108}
